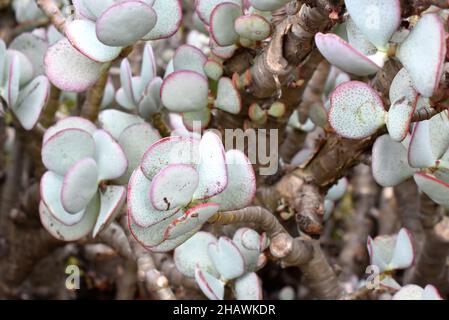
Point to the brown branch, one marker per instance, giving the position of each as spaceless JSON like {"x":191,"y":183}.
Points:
{"x":366,"y":192}
{"x":92,"y":104}
{"x":314,"y":91}
{"x":48,"y":116}
{"x":259,"y":216}
{"x":155,"y":282}
{"x":303,"y":253}
{"x":114,"y":236}
{"x":52,"y":11}
{"x":407,"y":198}
{"x":431,"y":264}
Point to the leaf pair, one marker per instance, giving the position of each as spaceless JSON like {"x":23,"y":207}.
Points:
{"x":370,"y":30}
{"x":22,"y":86}
{"x":106,"y":26}
{"x":79,"y":157}
{"x":186,"y":88}
{"x":392,"y":252}
{"x":216,"y":262}
{"x":228,"y":24}
{"x":180,"y":184}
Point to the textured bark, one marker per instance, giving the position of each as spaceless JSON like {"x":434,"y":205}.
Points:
{"x":354,"y":256}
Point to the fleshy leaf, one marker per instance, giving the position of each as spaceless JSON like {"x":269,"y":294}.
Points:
{"x":196,"y":119}
{"x":248,"y":287}
{"x":204,"y":8}
{"x":186,"y":262}
{"x":222,"y":52}
{"x":170,"y":244}
{"x":228,"y":97}
{"x":213,"y":177}
{"x":33,"y":47}
{"x":402,"y":86}
{"x":213,"y":70}
{"x":403,"y":254}
{"x":114,"y":121}
{"x":192,"y":219}
{"x":13,"y":79}
{"x":126,"y":79}
{"x":74,"y":232}
{"x":69,"y":123}
{"x":389,"y":283}
{"x":356,"y":111}
{"x":420,"y":153}
{"x":151,"y":100}
{"x":79,"y":185}
{"x":169,"y":19}
{"x":338,"y":190}
{"x":357,"y":39}
{"x":190,"y":58}
{"x":149,"y":68}
{"x":82,"y":10}
{"x":409,"y":292}
{"x":377,"y":19}
{"x":222,"y":21}
{"x":135,"y":140}
{"x":125,"y":23}
{"x":32,"y":99}
{"x":111,"y":202}
{"x":68,"y":69}
{"x":26,"y":70}
{"x":253,"y":27}
{"x":431,"y":293}
{"x":436,"y":189}
{"x":389,"y":164}
{"x":249,"y":243}
{"x":241,"y":187}
{"x":427,"y":39}
{"x":399,"y":118}
{"x":152,"y":235}
{"x":227,"y":258}
{"x":97,"y":7}
{"x":170,"y":150}
{"x":339,"y":53}
{"x":184,"y":91}
{"x":82,"y":35}
{"x":209,"y":285}
{"x":173,"y":187}
{"x":50,"y":192}
{"x":65,"y":148}
{"x":111,"y":160}
{"x":429,"y":141}
{"x":381,"y":251}
{"x":140,"y":210}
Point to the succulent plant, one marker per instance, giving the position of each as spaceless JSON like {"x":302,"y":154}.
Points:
{"x":414,"y":292}
{"x":186,"y":90}
{"x":422,"y":155}
{"x":224,"y":261}
{"x":180,"y":184}
{"x":76,"y":198}
{"x":140,"y":93}
{"x":22,"y":85}
{"x":392,"y":252}
{"x":100,"y":32}
{"x":369,"y":44}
